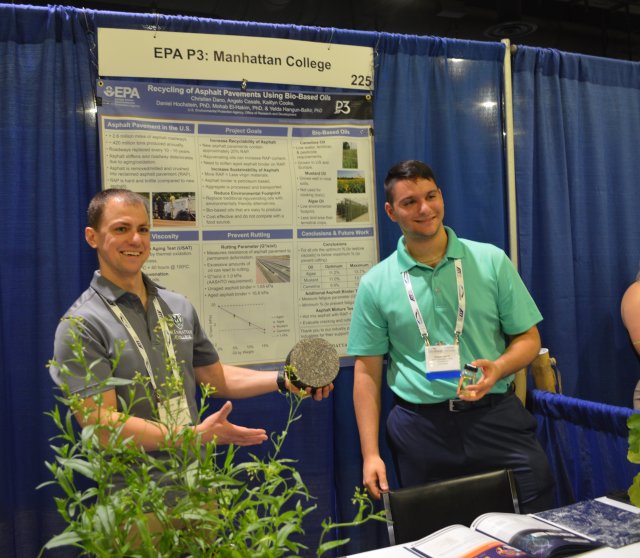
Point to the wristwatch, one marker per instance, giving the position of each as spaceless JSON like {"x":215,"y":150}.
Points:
{"x":281,"y":380}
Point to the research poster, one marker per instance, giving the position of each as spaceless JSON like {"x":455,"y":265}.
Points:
{"x":263,"y":205}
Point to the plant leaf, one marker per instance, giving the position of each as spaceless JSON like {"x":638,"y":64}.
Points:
{"x":79,"y":465}
{"x":63,"y":539}
{"x":634,"y":491}
{"x":330,"y":545}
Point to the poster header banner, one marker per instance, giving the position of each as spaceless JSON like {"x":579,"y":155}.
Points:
{"x":203,"y":102}
{"x":163,"y":54}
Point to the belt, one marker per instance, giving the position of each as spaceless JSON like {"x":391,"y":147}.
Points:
{"x":454,"y":405}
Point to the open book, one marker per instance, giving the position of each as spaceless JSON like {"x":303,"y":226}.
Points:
{"x":500,"y":535}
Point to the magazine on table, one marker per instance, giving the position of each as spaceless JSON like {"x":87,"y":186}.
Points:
{"x":501,"y":535}
{"x":608,"y":521}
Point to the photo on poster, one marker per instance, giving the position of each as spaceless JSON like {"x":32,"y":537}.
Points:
{"x":351,"y":182}
{"x":349,"y":209}
{"x":349,"y":155}
{"x":172,"y":209}
{"x":273,"y":269}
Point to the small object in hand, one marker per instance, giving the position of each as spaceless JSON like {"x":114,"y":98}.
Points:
{"x":468,"y":377}
{"x":315,"y":361}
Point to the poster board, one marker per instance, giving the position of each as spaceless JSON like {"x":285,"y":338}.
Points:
{"x":263,"y":204}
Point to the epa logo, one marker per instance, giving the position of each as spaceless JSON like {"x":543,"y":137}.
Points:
{"x":121,"y":92}
{"x":342,"y":107}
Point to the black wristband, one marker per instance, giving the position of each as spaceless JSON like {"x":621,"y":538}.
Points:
{"x":281,"y":380}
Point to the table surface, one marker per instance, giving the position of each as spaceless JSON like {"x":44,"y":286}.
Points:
{"x":629,"y":551}
{"x":399,"y":551}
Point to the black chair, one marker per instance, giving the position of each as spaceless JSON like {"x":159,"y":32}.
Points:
{"x":415,"y":512}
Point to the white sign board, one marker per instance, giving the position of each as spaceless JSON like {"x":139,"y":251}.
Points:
{"x":162,"y":54}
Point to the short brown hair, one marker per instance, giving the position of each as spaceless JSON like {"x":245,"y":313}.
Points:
{"x":410,"y":169}
{"x":99,"y":201}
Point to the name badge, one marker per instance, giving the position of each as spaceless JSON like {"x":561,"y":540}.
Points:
{"x":175,"y":411}
{"x":443,"y":361}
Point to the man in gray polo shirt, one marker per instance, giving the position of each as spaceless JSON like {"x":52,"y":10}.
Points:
{"x":122,"y":303}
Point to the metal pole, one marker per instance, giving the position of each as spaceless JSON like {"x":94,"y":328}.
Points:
{"x":510,"y":155}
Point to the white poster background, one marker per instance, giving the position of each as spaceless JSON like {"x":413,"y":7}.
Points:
{"x":265,"y":224}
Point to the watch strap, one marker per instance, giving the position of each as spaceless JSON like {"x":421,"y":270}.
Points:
{"x":281,"y":380}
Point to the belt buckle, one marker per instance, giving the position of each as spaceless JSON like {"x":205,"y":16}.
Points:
{"x":452,"y":406}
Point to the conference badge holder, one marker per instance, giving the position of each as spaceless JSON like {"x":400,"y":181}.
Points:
{"x":174,"y":411}
{"x":443,"y":361}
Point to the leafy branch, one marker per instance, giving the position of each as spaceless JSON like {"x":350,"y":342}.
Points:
{"x":190,"y":498}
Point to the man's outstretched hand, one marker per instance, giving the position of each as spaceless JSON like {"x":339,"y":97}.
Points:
{"x":216,"y":426}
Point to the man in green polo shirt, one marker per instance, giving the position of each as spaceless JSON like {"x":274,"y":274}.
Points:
{"x":434,"y":305}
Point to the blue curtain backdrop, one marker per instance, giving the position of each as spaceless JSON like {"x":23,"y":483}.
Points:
{"x":577,"y":124}
{"x":47,"y":174}
{"x":439,"y":100}
{"x":586,"y":444}
{"x":435,"y":99}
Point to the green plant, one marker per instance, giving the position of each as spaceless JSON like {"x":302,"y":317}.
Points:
{"x":633,"y":422}
{"x":189,"y":499}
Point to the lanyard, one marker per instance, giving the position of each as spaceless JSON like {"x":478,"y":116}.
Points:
{"x":132,"y":332}
{"x":462,"y":304}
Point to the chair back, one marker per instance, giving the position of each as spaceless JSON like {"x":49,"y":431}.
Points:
{"x":418,"y":511}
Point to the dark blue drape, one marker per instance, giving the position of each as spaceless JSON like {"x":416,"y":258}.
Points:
{"x":586,"y":444}
{"x":47,"y":174}
{"x":577,"y":132}
{"x":435,"y":99}
{"x":439,"y":100}
{"x":428,"y":104}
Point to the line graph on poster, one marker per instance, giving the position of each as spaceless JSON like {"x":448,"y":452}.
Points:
{"x":241,"y":317}
{"x":247,"y":333}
